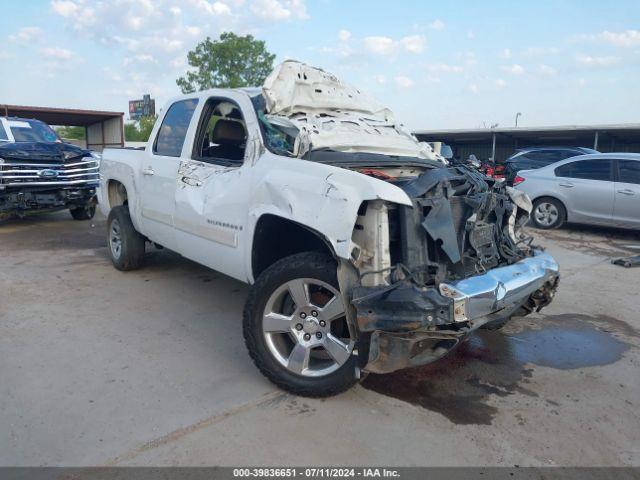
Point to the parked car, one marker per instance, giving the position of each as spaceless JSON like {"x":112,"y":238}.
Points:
{"x":598,"y":189}
{"x":537,"y":157}
{"x":364,"y":251}
{"x":40,"y":173}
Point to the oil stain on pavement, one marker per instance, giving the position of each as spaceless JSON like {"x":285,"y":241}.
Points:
{"x":500,"y":363}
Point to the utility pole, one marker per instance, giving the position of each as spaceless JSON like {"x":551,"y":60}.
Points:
{"x":517,"y":115}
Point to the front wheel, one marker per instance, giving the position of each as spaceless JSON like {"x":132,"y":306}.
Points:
{"x":295,"y":327}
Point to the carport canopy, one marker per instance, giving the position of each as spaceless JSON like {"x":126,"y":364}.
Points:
{"x":500,"y":143}
{"x":102,"y":128}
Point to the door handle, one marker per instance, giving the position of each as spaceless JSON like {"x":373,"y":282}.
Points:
{"x":567,"y":185}
{"x":148,"y":171}
{"x":627,"y":191}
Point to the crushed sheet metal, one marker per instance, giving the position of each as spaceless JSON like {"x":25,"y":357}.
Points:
{"x":331,"y":114}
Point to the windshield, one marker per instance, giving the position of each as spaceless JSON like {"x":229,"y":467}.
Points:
{"x":32,"y":131}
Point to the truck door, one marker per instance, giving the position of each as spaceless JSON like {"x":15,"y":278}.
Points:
{"x":159,"y":173}
{"x":213,"y":189}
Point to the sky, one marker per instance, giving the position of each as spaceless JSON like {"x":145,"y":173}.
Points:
{"x":445,"y":64}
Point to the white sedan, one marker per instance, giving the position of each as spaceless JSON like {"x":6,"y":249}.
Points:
{"x":597,"y":189}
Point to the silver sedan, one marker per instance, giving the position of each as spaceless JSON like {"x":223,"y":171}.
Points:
{"x":598,"y":189}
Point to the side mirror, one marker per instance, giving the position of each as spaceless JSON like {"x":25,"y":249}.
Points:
{"x":446,"y":152}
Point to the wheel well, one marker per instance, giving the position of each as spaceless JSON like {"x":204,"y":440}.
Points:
{"x":276,"y":237}
{"x":117,"y":194}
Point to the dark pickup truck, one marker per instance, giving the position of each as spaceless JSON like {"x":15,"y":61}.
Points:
{"x":40,"y":173}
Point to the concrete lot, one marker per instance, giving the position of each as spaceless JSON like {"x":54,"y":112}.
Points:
{"x":99,"y":367}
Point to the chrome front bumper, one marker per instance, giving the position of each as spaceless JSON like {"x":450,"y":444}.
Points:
{"x":401,"y":337}
{"x":500,"y":288}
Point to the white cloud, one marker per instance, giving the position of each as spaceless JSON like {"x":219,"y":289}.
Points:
{"x":413,"y":43}
{"x":65,"y":8}
{"x":344,"y":35}
{"x":166,"y":29}
{"x":436,"y":25}
{"x":500,"y":83}
{"x":380,"y":45}
{"x":26,"y":34}
{"x":581,"y":82}
{"x":514,"y":69}
{"x":57,"y":53}
{"x":589,"y":61}
{"x":473,"y":88}
{"x":506,"y":53}
{"x":403,"y":82}
{"x":628,"y":38}
{"x":277,"y":10}
{"x":445,"y":68}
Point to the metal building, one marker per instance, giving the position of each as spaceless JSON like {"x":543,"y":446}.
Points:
{"x":102,"y":129}
{"x":500,"y":143}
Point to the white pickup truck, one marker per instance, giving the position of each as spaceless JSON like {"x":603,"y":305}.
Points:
{"x":366,"y":252}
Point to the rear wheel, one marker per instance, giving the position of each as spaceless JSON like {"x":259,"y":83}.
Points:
{"x":126,"y":245}
{"x":295,"y":327}
{"x":548,"y":213}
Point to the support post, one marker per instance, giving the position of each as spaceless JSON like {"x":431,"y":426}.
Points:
{"x":493,"y":147}
{"x":595,"y":141}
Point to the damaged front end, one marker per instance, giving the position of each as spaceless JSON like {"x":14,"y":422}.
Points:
{"x":421,"y":274}
{"x":454,"y":261}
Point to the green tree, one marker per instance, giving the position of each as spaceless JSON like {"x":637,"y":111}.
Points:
{"x":70,"y":133}
{"x":139,"y":131}
{"x":230,"y":62}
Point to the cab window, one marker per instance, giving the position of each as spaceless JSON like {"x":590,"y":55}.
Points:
{"x":174,"y":127}
{"x":222,"y":134}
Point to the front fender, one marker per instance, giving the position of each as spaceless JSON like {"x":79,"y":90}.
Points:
{"x":322,"y":197}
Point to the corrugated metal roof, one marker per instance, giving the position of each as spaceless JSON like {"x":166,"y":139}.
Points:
{"x":59,"y":116}
{"x":520,"y":130}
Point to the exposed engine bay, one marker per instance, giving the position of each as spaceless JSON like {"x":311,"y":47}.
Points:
{"x":462,"y":225}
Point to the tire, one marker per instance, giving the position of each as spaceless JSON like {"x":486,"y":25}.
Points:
{"x":329,"y":370}
{"x":548,"y":213}
{"x":121,"y":233}
{"x":84,"y":212}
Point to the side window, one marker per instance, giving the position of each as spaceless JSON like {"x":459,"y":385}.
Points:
{"x":629,"y":171}
{"x":3,"y":132}
{"x":586,"y":169}
{"x":222,"y":134}
{"x":548,"y":157}
{"x":174,"y":127}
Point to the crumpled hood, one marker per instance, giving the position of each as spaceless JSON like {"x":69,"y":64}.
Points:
{"x":41,"y":151}
{"x":331,"y":114}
